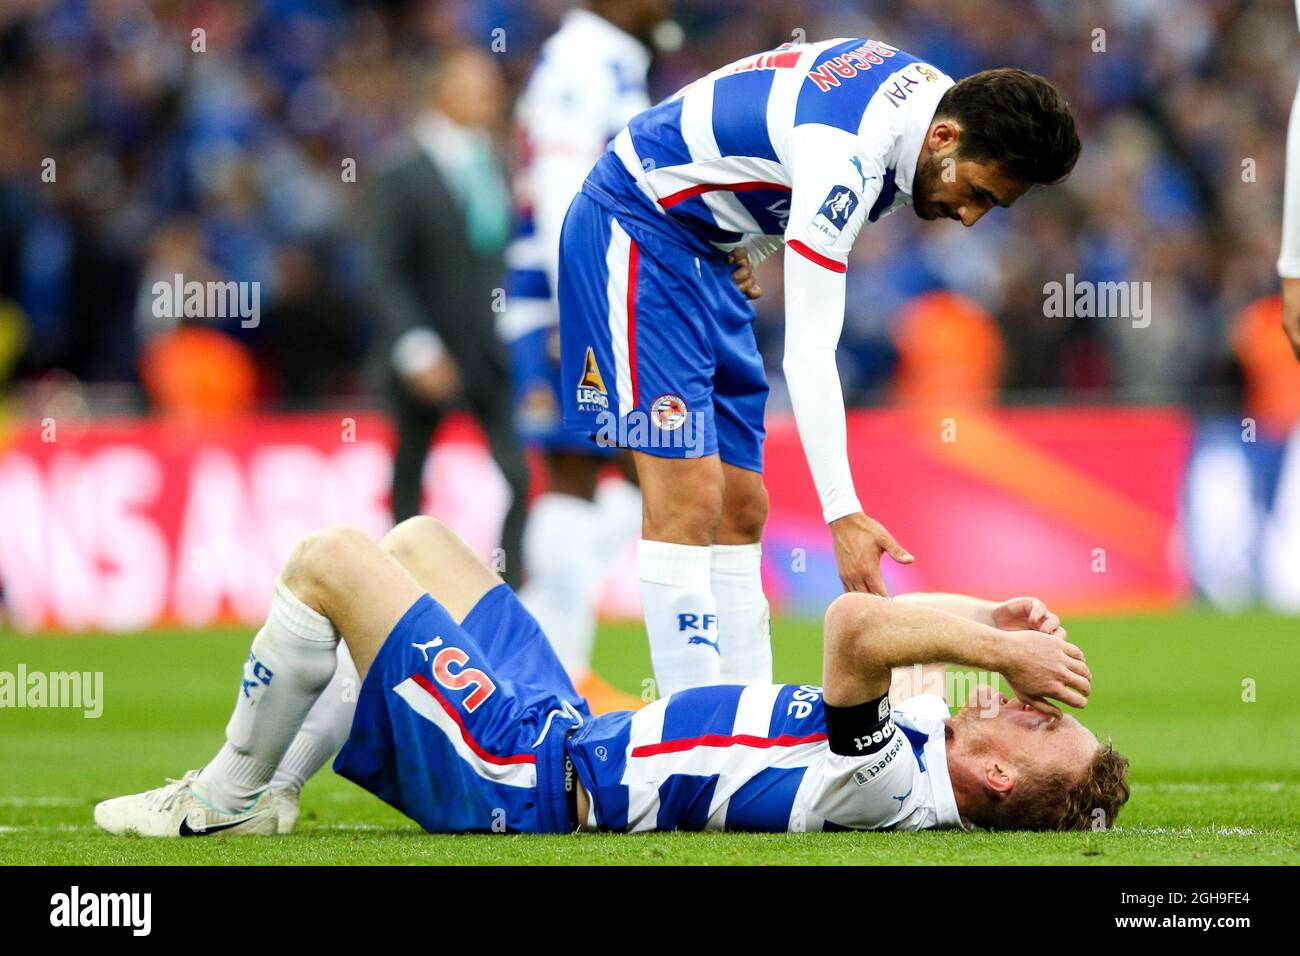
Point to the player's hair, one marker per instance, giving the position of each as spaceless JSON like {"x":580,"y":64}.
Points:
{"x":1015,"y":119}
{"x":1054,"y":802}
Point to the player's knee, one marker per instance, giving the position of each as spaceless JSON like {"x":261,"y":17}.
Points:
{"x":414,"y":535}
{"x":573,"y":474}
{"x":746,"y":515}
{"x":690,"y":516}
{"x":318,"y":560}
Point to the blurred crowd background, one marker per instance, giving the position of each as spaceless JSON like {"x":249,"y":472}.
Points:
{"x":226,"y":164}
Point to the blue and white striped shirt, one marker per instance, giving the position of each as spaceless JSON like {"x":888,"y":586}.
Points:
{"x":762,"y":145}
{"x":756,"y":758}
{"x":801,"y":145}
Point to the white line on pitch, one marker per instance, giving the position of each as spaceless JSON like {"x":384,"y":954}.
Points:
{"x":65,"y":828}
{"x":43,"y":802}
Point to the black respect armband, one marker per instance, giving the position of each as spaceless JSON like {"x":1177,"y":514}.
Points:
{"x":861,"y":729}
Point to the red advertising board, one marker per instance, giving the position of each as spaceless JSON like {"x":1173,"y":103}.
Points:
{"x":132,"y":523}
{"x":1078,"y":506}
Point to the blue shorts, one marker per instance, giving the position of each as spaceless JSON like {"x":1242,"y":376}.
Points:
{"x":657,"y":349}
{"x":535,"y":387}
{"x":462,"y":726}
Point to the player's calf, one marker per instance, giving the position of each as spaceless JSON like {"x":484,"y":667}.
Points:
{"x":337,"y":580}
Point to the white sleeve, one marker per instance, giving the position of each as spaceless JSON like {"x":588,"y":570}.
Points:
{"x":1288,"y":263}
{"x":834,"y":187}
{"x":417,"y":350}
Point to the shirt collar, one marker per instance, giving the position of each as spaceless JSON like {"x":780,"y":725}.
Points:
{"x":945,"y":800}
{"x":626,"y":45}
{"x":445,"y":141}
{"x":915,"y":124}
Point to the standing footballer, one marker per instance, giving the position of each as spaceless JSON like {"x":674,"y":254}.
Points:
{"x":1288,"y":263}
{"x":589,"y":80}
{"x":802,"y":145}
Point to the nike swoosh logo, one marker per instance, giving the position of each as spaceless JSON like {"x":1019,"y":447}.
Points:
{"x":187,"y":830}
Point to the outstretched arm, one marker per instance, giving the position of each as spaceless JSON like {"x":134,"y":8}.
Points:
{"x":867,"y":636}
{"x":834,"y":187}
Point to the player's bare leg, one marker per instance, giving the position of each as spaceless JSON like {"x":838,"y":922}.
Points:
{"x":744,"y":620}
{"x":337,"y":581}
{"x":681,"y":509}
{"x":573,"y":534}
{"x":442,"y":565}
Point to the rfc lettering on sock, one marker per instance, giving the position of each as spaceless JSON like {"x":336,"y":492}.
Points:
{"x":76,"y":909}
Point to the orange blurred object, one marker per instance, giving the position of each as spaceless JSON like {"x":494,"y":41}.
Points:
{"x":1271,"y":371}
{"x":604,"y":698}
{"x":950,"y":350}
{"x":198,"y":373}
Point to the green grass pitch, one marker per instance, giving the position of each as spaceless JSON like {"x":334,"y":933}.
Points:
{"x":1216,"y":778}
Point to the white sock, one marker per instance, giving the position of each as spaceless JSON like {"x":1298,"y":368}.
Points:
{"x":291,"y":662}
{"x":563,"y":559}
{"x":620,"y":518}
{"x":681,"y":616}
{"x":744,"y":622}
{"x":326,"y":727}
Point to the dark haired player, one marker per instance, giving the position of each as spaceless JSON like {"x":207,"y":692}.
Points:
{"x":802,"y":145}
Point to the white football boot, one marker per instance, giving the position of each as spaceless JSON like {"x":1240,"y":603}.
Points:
{"x":181,"y":809}
{"x":285,"y":803}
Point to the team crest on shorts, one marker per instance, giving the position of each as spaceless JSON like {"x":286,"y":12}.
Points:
{"x":537,"y":409}
{"x":591,"y":387}
{"x":668,"y":412}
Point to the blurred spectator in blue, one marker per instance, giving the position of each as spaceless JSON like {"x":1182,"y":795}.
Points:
{"x":245,"y":137}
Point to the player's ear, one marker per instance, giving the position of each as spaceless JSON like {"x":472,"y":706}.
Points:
{"x":999,"y":778}
{"x":943,"y":133}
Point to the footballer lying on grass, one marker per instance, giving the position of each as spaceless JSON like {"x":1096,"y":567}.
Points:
{"x":466,"y":720}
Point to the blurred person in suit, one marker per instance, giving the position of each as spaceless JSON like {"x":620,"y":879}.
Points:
{"x":436,"y":222}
